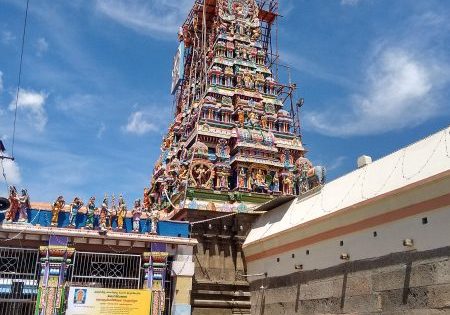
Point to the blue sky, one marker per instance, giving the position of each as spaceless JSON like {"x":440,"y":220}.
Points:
{"x":96,"y":77}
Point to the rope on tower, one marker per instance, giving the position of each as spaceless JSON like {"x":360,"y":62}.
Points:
{"x":212,"y":219}
{"x":167,"y":196}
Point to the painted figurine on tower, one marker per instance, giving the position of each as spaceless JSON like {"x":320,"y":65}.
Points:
{"x":75,"y":207}
{"x":136,"y":213}
{"x":57,"y":207}
{"x":14,"y":205}
{"x":90,"y":214}
{"x":121,"y":212}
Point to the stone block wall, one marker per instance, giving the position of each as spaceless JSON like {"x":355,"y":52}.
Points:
{"x":402,"y":283}
{"x":218,"y":285}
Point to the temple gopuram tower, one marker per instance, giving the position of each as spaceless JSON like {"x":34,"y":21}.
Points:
{"x":233,"y":146}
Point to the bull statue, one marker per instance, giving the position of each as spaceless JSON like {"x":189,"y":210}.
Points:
{"x":308,"y":176}
{"x":316,"y":176}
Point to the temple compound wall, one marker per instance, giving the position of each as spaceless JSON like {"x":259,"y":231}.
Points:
{"x":376,"y":240}
{"x":401,"y":283}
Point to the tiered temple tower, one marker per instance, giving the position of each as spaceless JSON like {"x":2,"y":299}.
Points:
{"x":232,"y":146}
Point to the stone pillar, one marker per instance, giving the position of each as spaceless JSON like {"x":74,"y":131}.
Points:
{"x":55,"y":258}
{"x":155,"y":265}
{"x":183,"y":271}
{"x":215,"y":263}
{"x":240,"y":263}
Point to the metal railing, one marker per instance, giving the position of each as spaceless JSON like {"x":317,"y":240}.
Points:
{"x":115,"y":271}
{"x":19,"y":280}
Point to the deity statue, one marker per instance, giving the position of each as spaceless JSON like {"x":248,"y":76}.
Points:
{"x":136,"y":212}
{"x":223,"y":181}
{"x":259,"y":178}
{"x":222,"y":28}
{"x":121,"y":213}
{"x":57,"y":206}
{"x":276,"y":183}
{"x":183,"y":173}
{"x":104,"y":214}
{"x":222,"y":149}
{"x":231,"y":28}
{"x":238,"y":9}
{"x":239,"y":79}
{"x":147,"y":201}
{"x":154,"y":218}
{"x":15,"y":205}
{"x":229,"y":70}
{"x":264,"y":122}
{"x":201,"y":172}
{"x":241,"y":178}
{"x":256,"y":33}
{"x":253,"y":119}
{"x":243,"y":52}
{"x":112,"y":212}
{"x":287,"y":185}
{"x":250,"y":180}
{"x":210,"y":181}
{"x":75,"y":207}
{"x":241,"y":117}
{"x":91,"y":209}
{"x":24,"y":205}
{"x":248,"y":80}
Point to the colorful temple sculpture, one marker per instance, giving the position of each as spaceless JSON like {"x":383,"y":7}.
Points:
{"x":232,"y":145}
{"x":47,"y":249}
{"x":77,"y":215}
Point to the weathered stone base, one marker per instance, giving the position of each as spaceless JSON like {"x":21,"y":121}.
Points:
{"x":401,"y":283}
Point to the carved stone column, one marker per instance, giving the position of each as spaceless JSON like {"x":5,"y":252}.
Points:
{"x":155,"y":265}
{"x":240,"y":262}
{"x":55,"y":259}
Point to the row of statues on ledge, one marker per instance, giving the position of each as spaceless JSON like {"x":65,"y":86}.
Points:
{"x":96,"y":217}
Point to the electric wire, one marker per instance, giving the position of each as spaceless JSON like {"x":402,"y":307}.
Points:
{"x":4,"y":175}
{"x":19,"y":78}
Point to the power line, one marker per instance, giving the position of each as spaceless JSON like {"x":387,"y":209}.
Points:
{"x":19,"y":78}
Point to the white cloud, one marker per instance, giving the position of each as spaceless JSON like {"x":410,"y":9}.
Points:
{"x":41,"y":46}
{"x":138,"y":124}
{"x":79,"y":103}
{"x":101,"y":130}
{"x":32,"y":104}
{"x":403,"y":85}
{"x":7,"y":37}
{"x":336,"y":163}
{"x":349,"y":2}
{"x":12,"y":173}
{"x":399,"y":93}
{"x":155,"y":18}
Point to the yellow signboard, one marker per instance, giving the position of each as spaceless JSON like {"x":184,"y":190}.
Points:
{"x":100,"y":301}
